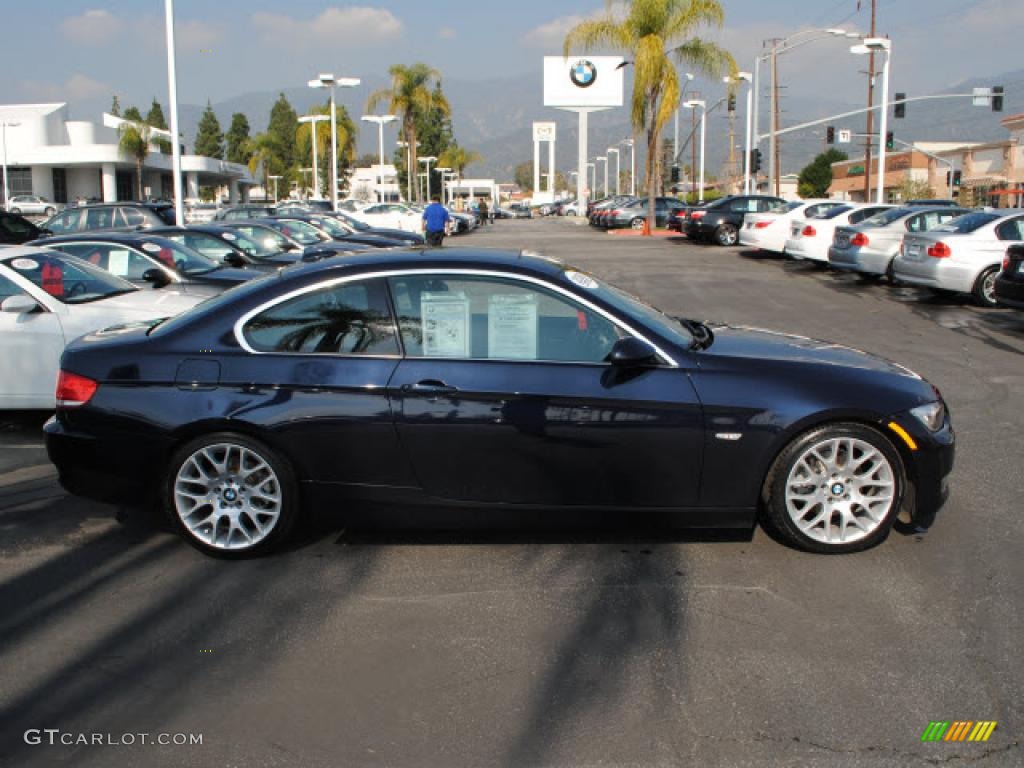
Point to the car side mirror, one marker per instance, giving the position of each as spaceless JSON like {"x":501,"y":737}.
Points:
{"x":632,"y":352}
{"x":19,"y":304}
{"x":233,"y":259}
{"x":156,"y":277}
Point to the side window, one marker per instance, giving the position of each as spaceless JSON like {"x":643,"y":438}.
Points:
{"x":739,"y":205}
{"x":766,"y":205}
{"x":65,"y":222}
{"x":1011,"y":230}
{"x":16,"y":226}
{"x":346,"y":319}
{"x":99,"y":218}
{"x":116,"y":259}
{"x":133,"y":217}
{"x":8,"y":288}
{"x":864,"y":213}
{"x":482,"y":318}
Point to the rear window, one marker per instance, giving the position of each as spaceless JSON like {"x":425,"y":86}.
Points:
{"x":166,"y":214}
{"x":968,"y":222}
{"x":838,"y":210}
{"x":887,"y":217}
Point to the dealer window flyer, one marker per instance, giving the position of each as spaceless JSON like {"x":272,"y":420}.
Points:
{"x":446,"y":331}
{"x":512,"y":326}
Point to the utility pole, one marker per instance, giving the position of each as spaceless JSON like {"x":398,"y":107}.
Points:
{"x":776,"y":170}
{"x":732,"y":148}
{"x":871,"y":114}
{"x":773,"y":113}
{"x":693,"y":95}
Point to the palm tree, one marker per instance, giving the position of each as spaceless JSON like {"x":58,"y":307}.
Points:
{"x":410,"y":96}
{"x":649,"y":32}
{"x":261,"y":148}
{"x":134,"y":142}
{"x":458,"y":158}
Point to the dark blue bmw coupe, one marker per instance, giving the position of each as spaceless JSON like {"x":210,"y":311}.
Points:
{"x":474,"y":377}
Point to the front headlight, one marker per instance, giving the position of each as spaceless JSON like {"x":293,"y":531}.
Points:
{"x":932,"y":415}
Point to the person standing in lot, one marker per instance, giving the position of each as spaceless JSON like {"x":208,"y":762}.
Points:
{"x":483,"y":211}
{"x":435,"y":222}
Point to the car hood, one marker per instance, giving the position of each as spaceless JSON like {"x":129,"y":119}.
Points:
{"x":146,"y":304}
{"x":761,"y":344}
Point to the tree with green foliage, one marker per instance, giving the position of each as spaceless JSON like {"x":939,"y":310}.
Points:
{"x":281,"y":132}
{"x":651,"y":32}
{"x":346,"y":133}
{"x":115,"y":106}
{"x":262,"y":159}
{"x":523,"y":176}
{"x":434,"y":135}
{"x":133,"y":114}
{"x":816,"y":177}
{"x":457,"y":158}
{"x":238,"y":140}
{"x":209,"y":138}
{"x":155,"y":119}
{"x":134,"y":141}
{"x":414,"y":92}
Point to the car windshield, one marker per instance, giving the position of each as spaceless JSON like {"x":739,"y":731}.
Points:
{"x":208,"y":245}
{"x":300,"y":231}
{"x":68,"y":279}
{"x":332,"y":227}
{"x":258,"y":241}
{"x":968,"y":222}
{"x":834,"y":212}
{"x":886,"y":217}
{"x":361,"y":226}
{"x":181,"y":257}
{"x":632,"y":307}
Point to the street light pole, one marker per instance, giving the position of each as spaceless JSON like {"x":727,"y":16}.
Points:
{"x":603,"y":159}
{"x":172,"y":88}
{"x":328,"y":80}
{"x":618,"y":171}
{"x":694,"y":104}
{"x":745,"y":77}
{"x":444,"y":190}
{"x":380,"y":120}
{"x":7,"y":195}
{"x":428,"y":160}
{"x":870,"y":46}
{"x":632,"y":164}
{"x":313,"y":120}
{"x":274,"y":178}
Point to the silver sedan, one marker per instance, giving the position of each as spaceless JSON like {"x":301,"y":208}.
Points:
{"x":872,"y":246}
{"x":963,"y":255}
{"x":32,"y":205}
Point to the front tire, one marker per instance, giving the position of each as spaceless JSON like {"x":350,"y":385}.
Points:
{"x":230,"y":495}
{"x":726,"y":234}
{"x":637,"y":224}
{"x":984,"y":291}
{"x":835,"y":489}
{"x":50,"y":211}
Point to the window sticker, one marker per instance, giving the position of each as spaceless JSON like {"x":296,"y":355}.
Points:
{"x":117,"y":262}
{"x":228,"y":236}
{"x":25,"y":264}
{"x":512,"y":326}
{"x":445,"y":324}
{"x":582,"y":280}
{"x":151,"y":248}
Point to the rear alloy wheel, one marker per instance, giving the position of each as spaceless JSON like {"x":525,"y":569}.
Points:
{"x":50,"y":211}
{"x":984,"y":290}
{"x":726,"y":234}
{"x":637,"y":224}
{"x":835,"y":489}
{"x":230,"y":495}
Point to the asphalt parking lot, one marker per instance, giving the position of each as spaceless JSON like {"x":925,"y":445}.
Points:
{"x":547,"y":642}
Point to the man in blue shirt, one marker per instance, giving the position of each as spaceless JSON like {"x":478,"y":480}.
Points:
{"x":435,"y":220}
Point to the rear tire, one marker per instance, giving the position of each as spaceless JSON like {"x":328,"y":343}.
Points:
{"x":984,"y":290}
{"x":230,"y":496}
{"x":726,"y":234}
{"x":835,"y":489}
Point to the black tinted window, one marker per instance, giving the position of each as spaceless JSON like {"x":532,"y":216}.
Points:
{"x":346,"y":319}
{"x":838,"y":210}
{"x":969,"y":222}
{"x":1011,"y":230}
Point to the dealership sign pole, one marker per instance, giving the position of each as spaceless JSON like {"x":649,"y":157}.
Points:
{"x":583,"y":85}
{"x":172,"y":87}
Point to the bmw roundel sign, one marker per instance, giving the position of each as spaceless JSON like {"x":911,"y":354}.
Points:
{"x":583,"y":73}
{"x":592,"y":82}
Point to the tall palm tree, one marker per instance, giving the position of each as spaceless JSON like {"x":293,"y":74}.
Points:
{"x":134,"y":142}
{"x":346,"y":142}
{"x":261,"y":149}
{"x":650,"y":32}
{"x":458,"y":158}
{"x":411,"y":96}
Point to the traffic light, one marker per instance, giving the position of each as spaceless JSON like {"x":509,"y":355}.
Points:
{"x":997,"y":98}
{"x":675,"y":174}
{"x":956,"y":178}
{"x":890,"y":142}
{"x":755,"y":160}
{"x":899,"y":109}
{"x":732,"y":102}
{"x":830,"y":134}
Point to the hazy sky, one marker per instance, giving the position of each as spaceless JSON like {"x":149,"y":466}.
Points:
{"x":81,"y":50}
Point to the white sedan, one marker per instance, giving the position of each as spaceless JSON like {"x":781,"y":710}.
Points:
{"x":32,"y":205}
{"x":392,"y":215}
{"x":768,"y":231}
{"x":47,"y":299}
{"x":811,"y":238}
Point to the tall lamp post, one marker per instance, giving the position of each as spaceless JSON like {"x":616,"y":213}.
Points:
{"x":745,"y":77}
{"x":329,"y":81}
{"x":444,"y":177}
{"x":313,"y":120}
{"x":694,"y":104}
{"x":428,"y":160}
{"x":868,"y":46}
{"x":632,"y":164}
{"x":172,"y":92}
{"x":603,"y":159}
{"x":5,"y":124}
{"x":409,"y":172}
{"x":274,"y":179}
{"x":618,"y":172}
{"x":591,"y":178}
{"x":380,"y":120}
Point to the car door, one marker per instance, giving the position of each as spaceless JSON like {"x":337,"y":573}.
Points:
{"x":504,"y":395}
{"x":30,"y":347}
{"x":316,"y":368}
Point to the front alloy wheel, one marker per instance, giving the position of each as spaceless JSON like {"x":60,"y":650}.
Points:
{"x":637,"y":224}
{"x":985,"y":288}
{"x":836,"y":489}
{"x":230,"y":495}
{"x":726,"y":234}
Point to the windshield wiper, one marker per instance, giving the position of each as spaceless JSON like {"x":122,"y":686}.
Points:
{"x":703,"y":337}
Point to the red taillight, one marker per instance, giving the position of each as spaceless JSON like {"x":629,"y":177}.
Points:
{"x":616,"y":212}
{"x":762,"y":224}
{"x":1006,"y":263}
{"x":940,"y":251}
{"x":681,"y":215}
{"x":859,"y":239}
{"x":809,"y":231}
{"x":74,"y":390}
{"x":697,"y":215}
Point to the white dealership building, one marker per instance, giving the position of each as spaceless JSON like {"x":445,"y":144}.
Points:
{"x":46,"y":153}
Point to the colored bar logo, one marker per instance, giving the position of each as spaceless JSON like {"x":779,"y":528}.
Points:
{"x":958,"y":730}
